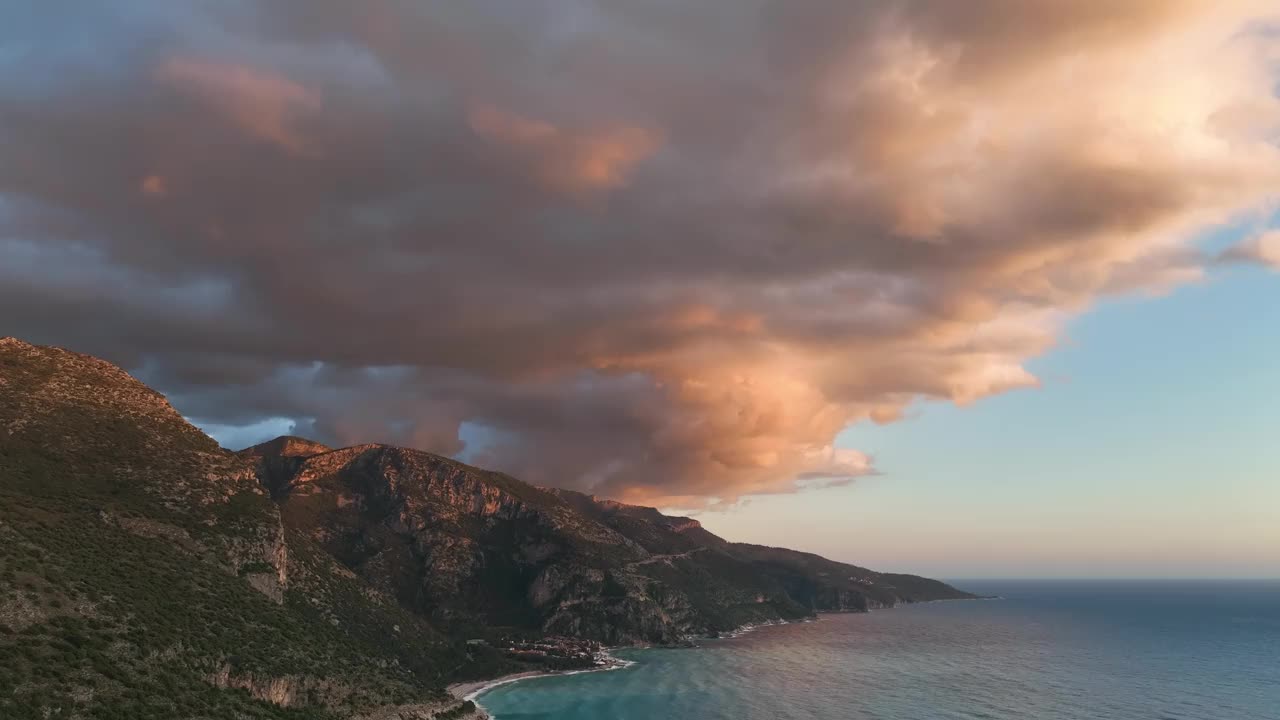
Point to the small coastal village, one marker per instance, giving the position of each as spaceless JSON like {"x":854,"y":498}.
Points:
{"x":558,"y":652}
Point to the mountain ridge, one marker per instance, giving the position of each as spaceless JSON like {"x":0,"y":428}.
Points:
{"x":425,"y":528}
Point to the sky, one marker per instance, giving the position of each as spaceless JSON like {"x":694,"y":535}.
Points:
{"x":966,"y":289}
{"x":1148,"y":452}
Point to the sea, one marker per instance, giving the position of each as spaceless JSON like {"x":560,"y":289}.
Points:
{"x":1044,"y":650}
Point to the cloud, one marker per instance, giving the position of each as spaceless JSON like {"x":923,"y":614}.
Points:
{"x":153,"y":185}
{"x":1263,"y":249}
{"x":664,"y":254}
{"x":264,"y":104}
{"x":577,"y":163}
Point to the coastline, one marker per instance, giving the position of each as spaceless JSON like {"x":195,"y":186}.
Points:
{"x":471,"y":690}
{"x":474,"y":689}
{"x":853,"y":660}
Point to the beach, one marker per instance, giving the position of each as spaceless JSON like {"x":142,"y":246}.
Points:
{"x":473,"y":690}
{"x":470,"y":690}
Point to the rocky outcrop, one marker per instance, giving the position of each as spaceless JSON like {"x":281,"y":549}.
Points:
{"x":683,"y":524}
{"x":276,"y":461}
{"x":262,"y":558}
{"x":282,"y":691}
{"x":292,"y":690}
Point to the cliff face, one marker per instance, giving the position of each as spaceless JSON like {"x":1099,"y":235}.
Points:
{"x":462,"y":545}
{"x":145,"y":570}
{"x":277,"y":461}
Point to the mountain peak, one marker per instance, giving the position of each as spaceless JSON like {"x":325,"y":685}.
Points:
{"x":286,"y":446}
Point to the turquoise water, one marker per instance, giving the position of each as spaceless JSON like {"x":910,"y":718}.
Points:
{"x":1047,"y":651}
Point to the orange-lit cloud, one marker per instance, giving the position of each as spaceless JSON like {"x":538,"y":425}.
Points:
{"x":153,"y":186}
{"x":261,"y":103}
{"x":801,"y":216}
{"x":566,"y":160}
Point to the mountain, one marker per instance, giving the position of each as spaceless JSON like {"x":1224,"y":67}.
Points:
{"x":277,"y":460}
{"x":462,"y":545}
{"x":145,"y":572}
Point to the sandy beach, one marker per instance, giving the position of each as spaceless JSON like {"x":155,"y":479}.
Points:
{"x":472,"y":690}
{"x":469,"y":690}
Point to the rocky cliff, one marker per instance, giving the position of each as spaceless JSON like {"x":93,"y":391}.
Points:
{"x":461,"y":545}
{"x":146,"y":572}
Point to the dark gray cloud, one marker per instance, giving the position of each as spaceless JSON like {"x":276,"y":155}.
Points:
{"x":660,"y":251}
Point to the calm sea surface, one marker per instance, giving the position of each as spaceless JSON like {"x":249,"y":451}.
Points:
{"x":1047,"y":651}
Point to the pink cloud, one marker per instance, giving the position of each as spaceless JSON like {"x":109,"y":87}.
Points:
{"x":581,"y":161}
{"x":153,"y":186}
{"x":261,"y":103}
